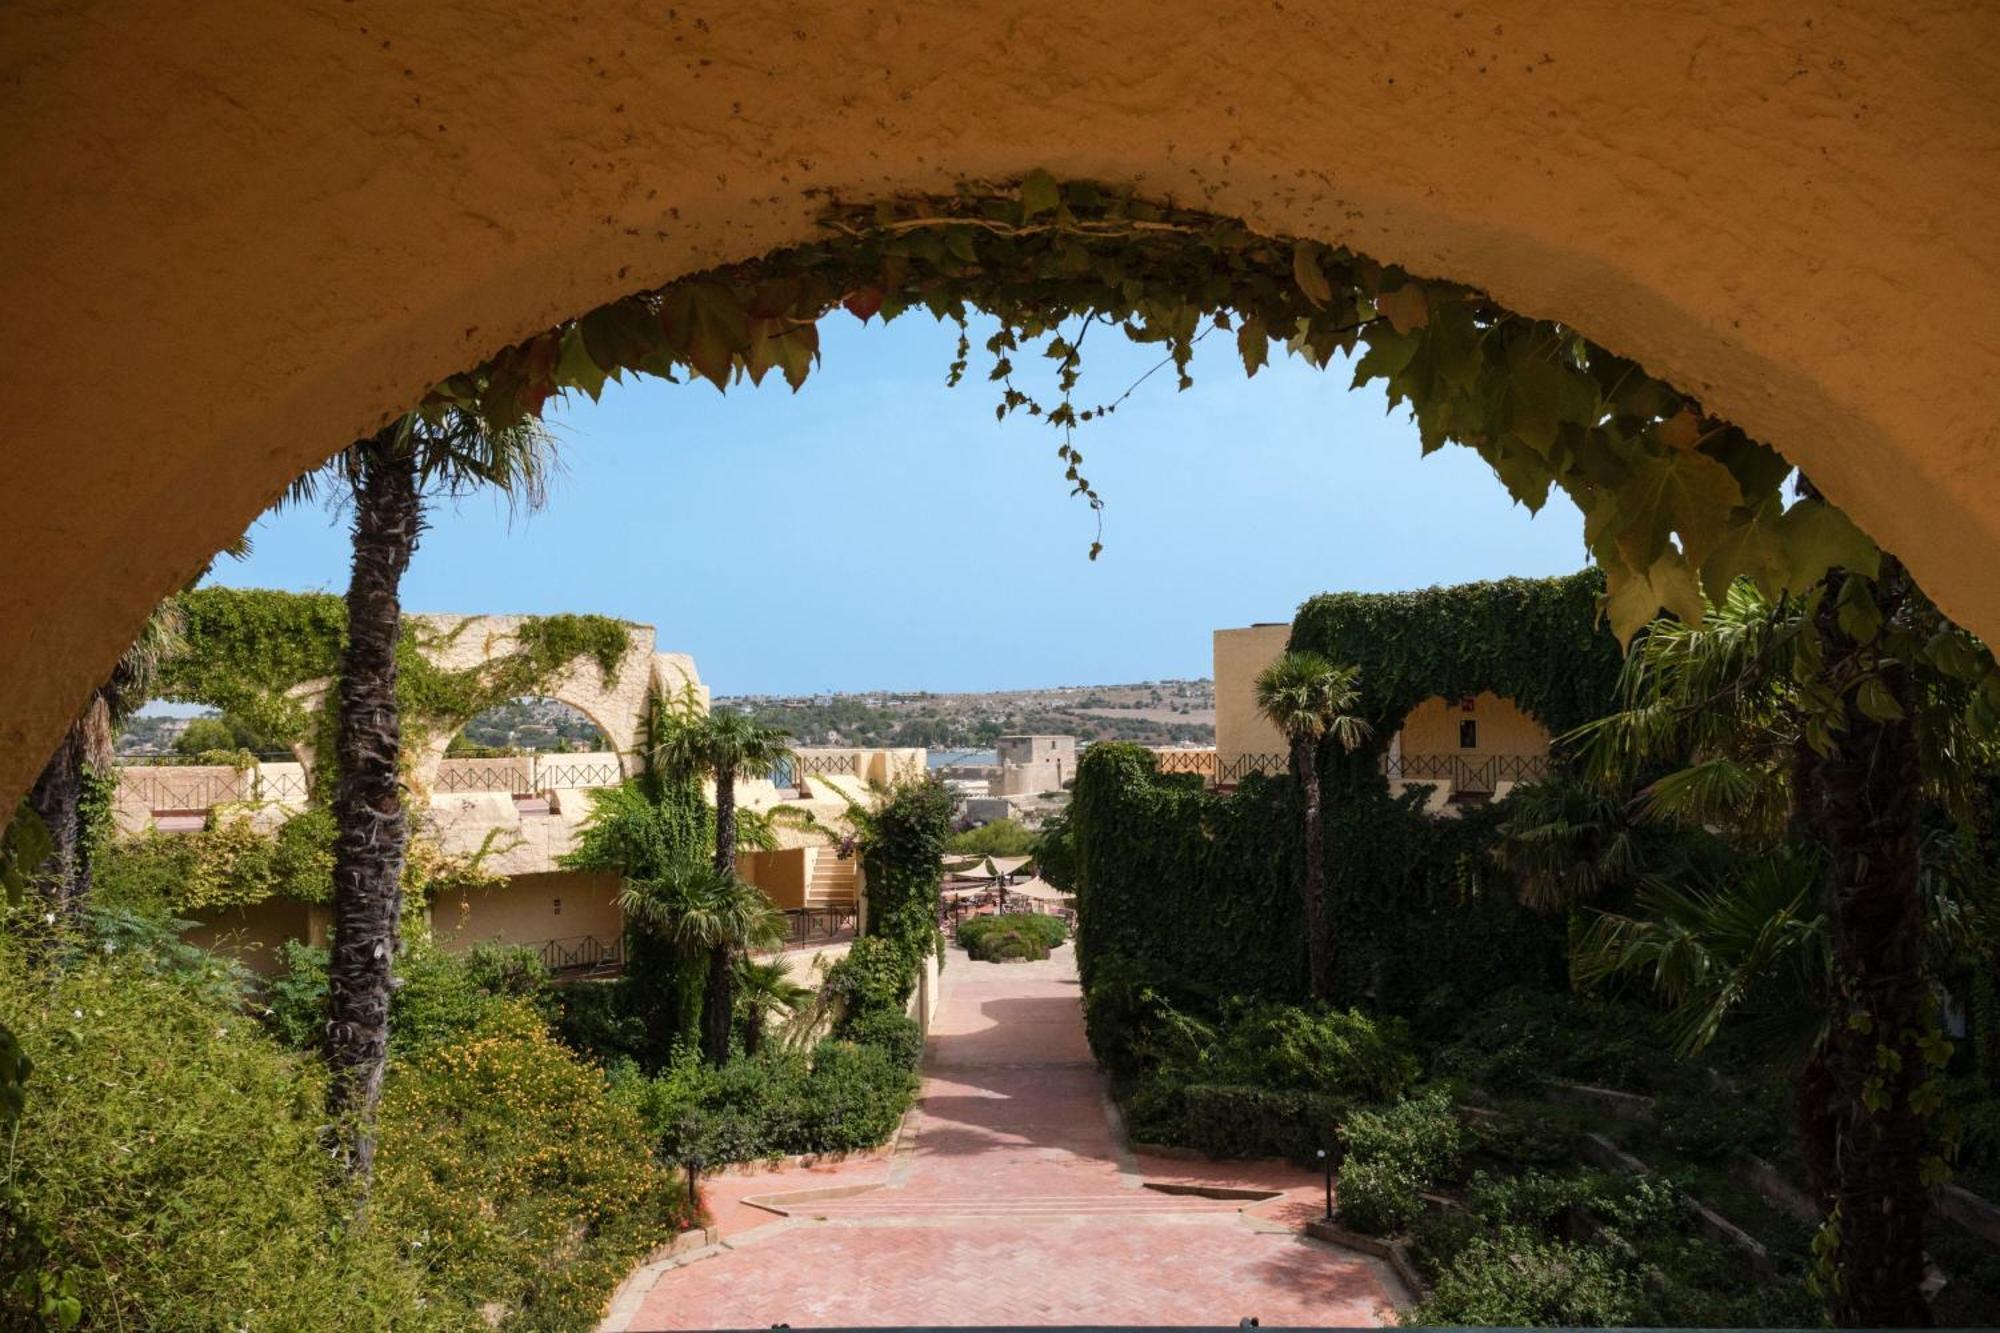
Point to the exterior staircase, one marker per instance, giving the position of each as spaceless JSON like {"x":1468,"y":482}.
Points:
{"x":835,"y":882}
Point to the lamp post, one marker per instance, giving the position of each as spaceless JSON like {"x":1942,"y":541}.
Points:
{"x":1326,"y":1162}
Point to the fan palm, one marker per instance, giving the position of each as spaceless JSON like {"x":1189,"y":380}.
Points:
{"x":1310,"y":701}
{"x":702,"y":910}
{"x":765,"y":989}
{"x":388,"y":478}
{"x":689,"y":743}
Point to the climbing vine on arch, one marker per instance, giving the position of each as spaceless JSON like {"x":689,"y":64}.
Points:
{"x":1677,"y":502}
{"x":246,"y":652}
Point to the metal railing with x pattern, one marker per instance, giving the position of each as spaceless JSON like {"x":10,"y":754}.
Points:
{"x":1199,"y":762}
{"x":1245,"y":765}
{"x":1474,"y":774}
{"x":194,"y":792}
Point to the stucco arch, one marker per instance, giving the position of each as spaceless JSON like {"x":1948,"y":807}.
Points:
{"x":241,"y":235}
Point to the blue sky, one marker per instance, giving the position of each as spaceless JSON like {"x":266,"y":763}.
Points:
{"x":878,"y":530}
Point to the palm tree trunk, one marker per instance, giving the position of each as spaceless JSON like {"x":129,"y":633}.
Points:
{"x":1305,"y":769}
{"x":1875,"y":1063}
{"x":373,"y":830}
{"x":717,"y":1018}
{"x":57,"y":797}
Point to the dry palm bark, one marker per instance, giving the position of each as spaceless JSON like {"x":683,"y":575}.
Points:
{"x":369,"y":851}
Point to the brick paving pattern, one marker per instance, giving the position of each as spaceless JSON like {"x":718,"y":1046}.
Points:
{"x":1012,"y":1200}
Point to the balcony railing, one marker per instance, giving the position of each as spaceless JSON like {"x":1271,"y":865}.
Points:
{"x":582,"y":953}
{"x":1473,"y":774}
{"x":166,"y":791}
{"x":1244,"y":765}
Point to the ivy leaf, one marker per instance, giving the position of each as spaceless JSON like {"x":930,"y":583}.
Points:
{"x":1633,"y":600}
{"x":1860,"y":619}
{"x":863,"y":304}
{"x":1750,"y":547}
{"x":1687,"y":493}
{"x":1253,"y":344}
{"x":1387,"y":355}
{"x":1680,"y":431}
{"x":1817,"y":537}
{"x":1039,"y":194}
{"x":1875,"y":700}
{"x":574,"y":367}
{"x":1307,"y":273}
{"x":1530,"y":403}
{"x":1406,"y":308}
{"x":707,"y":324}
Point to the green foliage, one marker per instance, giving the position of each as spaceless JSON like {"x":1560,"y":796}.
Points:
{"x":1516,"y":1279}
{"x":168,"y":1170}
{"x":1237,"y":1120}
{"x":1378,"y":1195}
{"x":511,"y":1178}
{"x":902,"y":857}
{"x":876,"y":973}
{"x":1674,"y":499}
{"x":1002,"y":837}
{"x":246,"y":650}
{"x":1423,"y":1134}
{"x":1521,"y":1036}
{"x":1006,"y":945}
{"x":439,"y":996}
{"x":1011,"y":935}
{"x":840,"y":1097}
{"x":229,"y":863}
{"x":897,"y":1035}
{"x":1537,"y":642}
{"x":1193,"y":892}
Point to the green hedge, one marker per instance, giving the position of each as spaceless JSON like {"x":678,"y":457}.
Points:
{"x":1011,"y":935}
{"x":1194,"y":894}
{"x":1537,"y":642}
{"x":1234,"y":1120}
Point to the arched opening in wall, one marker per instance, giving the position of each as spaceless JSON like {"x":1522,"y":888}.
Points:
{"x":528,"y":748}
{"x":1466,"y":749}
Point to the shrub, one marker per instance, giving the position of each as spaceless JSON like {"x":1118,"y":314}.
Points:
{"x":169,"y":1165}
{"x":1038,"y":926}
{"x":877,"y":973}
{"x":1517,"y":1279}
{"x":1003,"y":946}
{"x":1339,"y":1052}
{"x":1378,"y":1196}
{"x":513,"y":1179}
{"x":1516,"y":1141}
{"x":599,"y":1019}
{"x":1422,"y":1135}
{"x":898,"y":1035}
{"x":1230,"y":1120}
{"x":438,"y":996}
{"x":840,"y":1097}
{"x":1002,"y":837}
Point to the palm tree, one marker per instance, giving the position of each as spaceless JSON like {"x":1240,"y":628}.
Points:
{"x":388,"y":478}
{"x":702,"y":910}
{"x":763,"y":989}
{"x":687,"y":742}
{"x":1310,"y":700}
{"x":1818,"y":724}
{"x":85,"y":753}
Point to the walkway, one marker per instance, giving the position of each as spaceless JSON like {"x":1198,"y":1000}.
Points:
{"x":1010,"y":1199}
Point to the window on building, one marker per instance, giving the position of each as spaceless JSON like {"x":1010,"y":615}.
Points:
{"x":1468,"y":734}
{"x":1465,"y":703}
{"x":558,"y":905}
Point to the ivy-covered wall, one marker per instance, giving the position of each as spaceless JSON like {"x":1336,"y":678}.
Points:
{"x":1539,"y":642}
{"x":244,"y":649}
{"x":1194,"y":893}
{"x":903,"y":864}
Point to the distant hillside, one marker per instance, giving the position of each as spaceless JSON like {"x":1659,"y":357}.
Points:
{"x":1161,"y":712}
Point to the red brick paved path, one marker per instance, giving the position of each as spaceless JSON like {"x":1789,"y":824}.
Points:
{"x":1012,"y":1201}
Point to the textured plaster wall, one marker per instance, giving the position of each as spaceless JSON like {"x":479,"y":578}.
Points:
{"x":236,"y":236}
{"x":1239,"y":655}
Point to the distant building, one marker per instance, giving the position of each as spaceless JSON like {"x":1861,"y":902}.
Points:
{"x":1030,"y":764}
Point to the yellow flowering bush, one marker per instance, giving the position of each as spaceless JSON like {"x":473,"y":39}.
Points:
{"x":507,"y":1172}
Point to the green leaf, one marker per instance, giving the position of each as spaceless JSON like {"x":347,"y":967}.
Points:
{"x":1632,"y":601}
{"x":1387,"y":355}
{"x":1750,"y":548}
{"x":1307,"y":273}
{"x":1860,"y":619}
{"x":1817,"y":537}
{"x":575,"y":369}
{"x":1253,"y":344}
{"x":706,"y":323}
{"x":1874,"y":699}
{"x":1406,"y":308}
{"x":1039,"y":194}
{"x":1686,"y":493}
